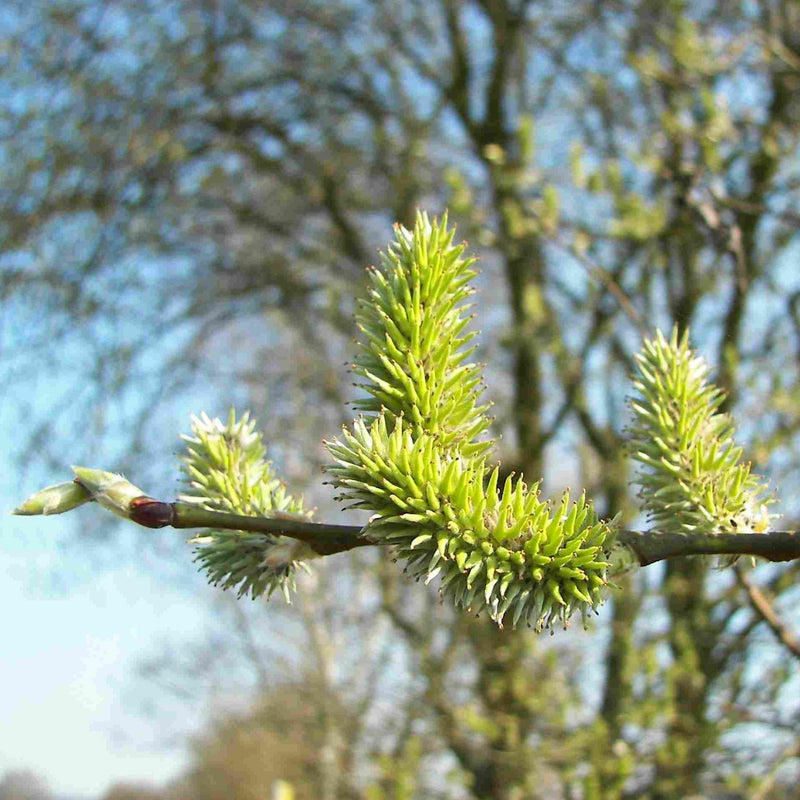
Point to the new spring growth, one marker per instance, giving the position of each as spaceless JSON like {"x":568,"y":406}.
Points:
{"x":113,"y":492}
{"x":55,"y":499}
{"x":693,"y":478}
{"x":416,"y":459}
{"x":225,"y":470}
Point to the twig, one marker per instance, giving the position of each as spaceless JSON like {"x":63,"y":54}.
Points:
{"x":121,"y":497}
{"x":652,"y":546}
{"x":323,"y":538}
{"x":647,"y":546}
{"x":608,"y":280}
{"x":765,"y":610}
{"x":769,"y":781}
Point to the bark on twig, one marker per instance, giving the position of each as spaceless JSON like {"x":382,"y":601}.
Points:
{"x":648,"y":547}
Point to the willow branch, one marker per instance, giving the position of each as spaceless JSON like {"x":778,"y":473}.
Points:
{"x":116,"y":494}
{"x":648,"y":547}
{"x":323,"y":538}
{"x":652,"y":546}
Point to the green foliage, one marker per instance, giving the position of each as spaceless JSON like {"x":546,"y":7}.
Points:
{"x":637,"y":219}
{"x":366,"y":153}
{"x":416,"y":462}
{"x":399,"y":773}
{"x":225,"y":470}
{"x":693,"y":478}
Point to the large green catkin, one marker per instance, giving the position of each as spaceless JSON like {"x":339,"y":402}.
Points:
{"x":416,"y":458}
{"x":693,"y":478}
{"x":225,"y":469}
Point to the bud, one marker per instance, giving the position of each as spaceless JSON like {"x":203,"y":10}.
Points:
{"x":55,"y":499}
{"x":113,"y":492}
{"x":151,"y":513}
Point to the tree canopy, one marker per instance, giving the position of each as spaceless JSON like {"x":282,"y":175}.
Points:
{"x":181,"y":179}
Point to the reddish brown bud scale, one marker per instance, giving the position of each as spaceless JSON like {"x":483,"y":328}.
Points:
{"x":151,"y":513}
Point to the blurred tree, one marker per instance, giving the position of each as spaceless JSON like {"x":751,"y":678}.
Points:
{"x":318,"y":686}
{"x":183,"y":178}
{"x":125,"y":790}
{"x":280,"y":739}
{"x":23,"y":784}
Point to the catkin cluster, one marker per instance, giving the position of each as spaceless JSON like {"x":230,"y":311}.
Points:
{"x":416,"y":456}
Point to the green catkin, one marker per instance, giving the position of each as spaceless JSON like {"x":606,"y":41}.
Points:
{"x":416,"y":458}
{"x":693,"y":479}
{"x":225,"y":469}
{"x":422,"y":433}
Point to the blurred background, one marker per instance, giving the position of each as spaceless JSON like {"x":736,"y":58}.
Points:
{"x":189,"y":194}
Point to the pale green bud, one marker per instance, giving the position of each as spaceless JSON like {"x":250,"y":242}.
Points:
{"x":113,"y":492}
{"x":55,"y":499}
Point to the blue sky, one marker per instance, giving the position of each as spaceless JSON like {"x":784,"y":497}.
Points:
{"x":87,"y":598}
{"x":72,"y":640}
